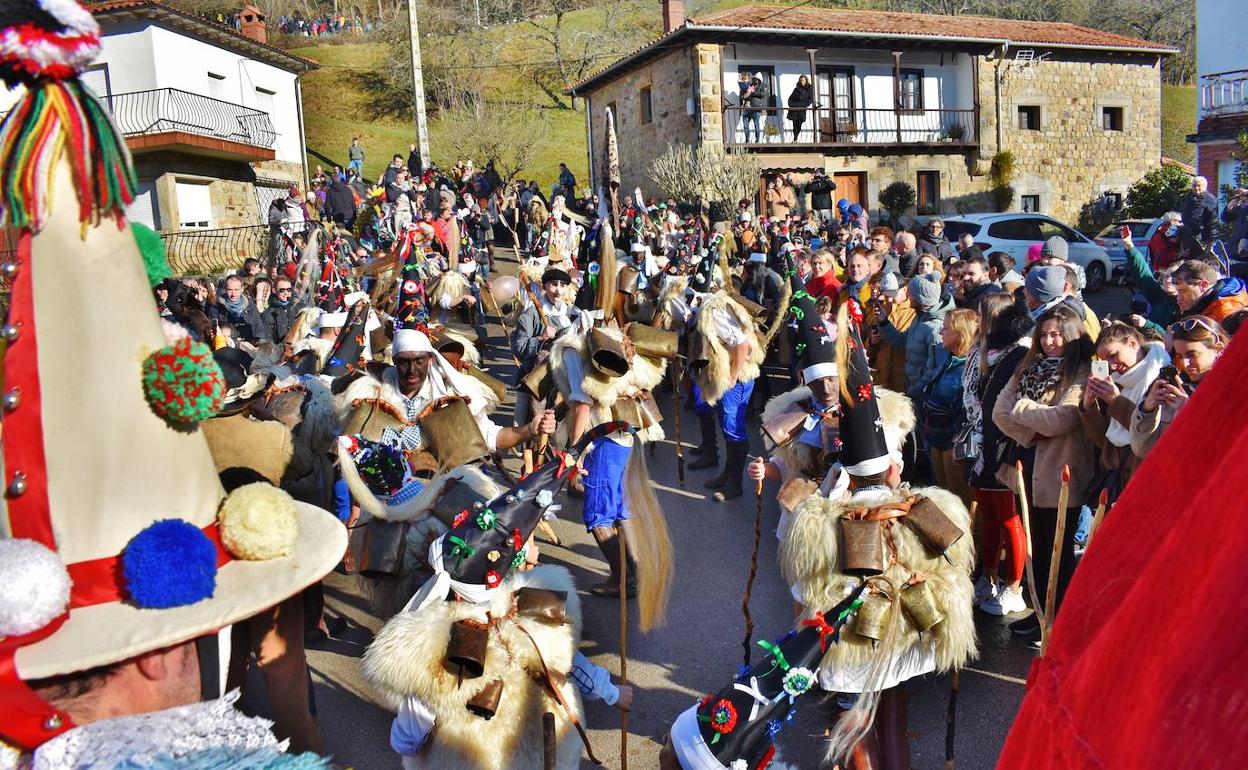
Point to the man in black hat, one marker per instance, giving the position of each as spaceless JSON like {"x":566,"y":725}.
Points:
{"x":537,"y":325}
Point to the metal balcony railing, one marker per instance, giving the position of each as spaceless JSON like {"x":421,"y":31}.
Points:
{"x":828,"y":127}
{"x":162,"y":110}
{"x":210,"y":251}
{"x":1224,"y":93}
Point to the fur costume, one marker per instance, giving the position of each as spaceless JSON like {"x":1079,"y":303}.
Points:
{"x":450,"y":286}
{"x":715,"y":378}
{"x":810,"y":554}
{"x":317,"y":345}
{"x":673,"y":292}
{"x":644,"y":374}
{"x":408,"y":658}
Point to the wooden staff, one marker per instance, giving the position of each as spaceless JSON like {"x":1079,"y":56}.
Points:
{"x":1026,"y":516}
{"x":955,"y":683}
{"x":549,"y":747}
{"x":676,"y":400}
{"x":623,"y":644}
{"x":543,"y":439}
{"x":1059,"y":534}
{"x":1101,"y":505}
{"x":749,"y":583}
{"x":502,"y":322}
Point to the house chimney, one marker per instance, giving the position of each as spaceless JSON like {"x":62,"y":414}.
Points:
{"x":251,"y":23}
{"x":673,"y":14}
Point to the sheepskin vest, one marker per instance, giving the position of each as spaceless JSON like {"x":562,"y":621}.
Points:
{"x":810,"y":558}
{"x":644,"y":374}
{"x":408,"y":657}
{"x":715,"y":378}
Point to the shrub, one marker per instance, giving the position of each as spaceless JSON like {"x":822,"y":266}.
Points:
{"x":896,"y":199}
{"x":1160,"y":190}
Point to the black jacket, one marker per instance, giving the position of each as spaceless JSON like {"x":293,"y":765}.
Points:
{"x":247,"y":325}
{"x":340,"y":201}
{"x":820,"y":189}
{"x":1198,"y":215}
{"x":940,"y":247}
{"x":801,"y":98}
{"x":278,"y":319}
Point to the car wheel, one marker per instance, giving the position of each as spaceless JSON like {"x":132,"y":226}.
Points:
{"x":1094,"y":276}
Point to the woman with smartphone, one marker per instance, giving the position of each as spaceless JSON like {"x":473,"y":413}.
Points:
{"x":1196,"y":344}
{"x":1039,"y":409}
{"x":1125,"y":366}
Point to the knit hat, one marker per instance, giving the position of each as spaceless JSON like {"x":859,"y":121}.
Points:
{"x":925,"y":290}
{"x":1046,"y":282}
{"x":1055,"y":248}
{"x":889,"y":285}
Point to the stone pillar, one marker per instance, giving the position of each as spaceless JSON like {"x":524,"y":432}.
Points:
{"x":710,"y":94}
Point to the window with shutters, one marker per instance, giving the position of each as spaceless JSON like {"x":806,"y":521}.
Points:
{"x":264,"y":99}
{"x":96,"y":78}
{"x":216,"y":85}
{"x":194,"y":205}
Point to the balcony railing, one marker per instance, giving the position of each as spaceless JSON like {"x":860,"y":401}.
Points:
{"x":163,"y":110}
{"x":210,"y":251}
{"x":1224,"y":93}
{"x":825,"y":127}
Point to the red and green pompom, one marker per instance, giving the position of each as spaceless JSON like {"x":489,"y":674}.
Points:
{"x":183,"y":384}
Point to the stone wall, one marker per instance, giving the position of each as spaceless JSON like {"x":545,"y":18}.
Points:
{"x":1069,"y":162}
{"x":232,"y":184}
{"x":1072,"y":159}
{"x":671,"y":82}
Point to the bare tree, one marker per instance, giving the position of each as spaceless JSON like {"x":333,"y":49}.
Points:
{"x":510,"y":135}
{"x":712,"y":176}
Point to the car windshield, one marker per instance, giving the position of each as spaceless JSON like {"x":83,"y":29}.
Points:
{"x":1138,"y":230}
{"x":955,"y":229}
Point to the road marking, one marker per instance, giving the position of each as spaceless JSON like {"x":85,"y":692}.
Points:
{"x":682,"y":492}
{"x":995,"y":675}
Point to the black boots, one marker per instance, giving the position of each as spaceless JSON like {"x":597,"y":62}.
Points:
{"x":730,"y":481}
{"x":708,"y":452}
{"x":608,"y":539}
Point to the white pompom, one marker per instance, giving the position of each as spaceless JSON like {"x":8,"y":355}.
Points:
{"x":34,"y":587}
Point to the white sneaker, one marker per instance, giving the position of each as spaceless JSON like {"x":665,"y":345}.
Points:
{"x":1006,"y":602}
{"x":985,"y":589}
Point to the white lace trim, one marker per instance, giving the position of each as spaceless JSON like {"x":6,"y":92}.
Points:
{"x":142,"y":739}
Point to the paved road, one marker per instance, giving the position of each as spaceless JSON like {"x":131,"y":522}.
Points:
{"x":700,"y":646}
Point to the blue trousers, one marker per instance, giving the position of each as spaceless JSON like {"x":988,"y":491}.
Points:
{"x":604,"y":484}
{"x":730,"y":410}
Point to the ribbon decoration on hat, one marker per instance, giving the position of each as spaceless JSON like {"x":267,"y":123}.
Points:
{"x":777,"y":655}
{"x":760,"y":699}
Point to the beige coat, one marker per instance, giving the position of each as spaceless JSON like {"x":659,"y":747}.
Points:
{"x":1053,"y":426}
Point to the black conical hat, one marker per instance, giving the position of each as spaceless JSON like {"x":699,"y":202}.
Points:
{"x":487,"y":541}
{"x":704,"y":274}
{"x":786,"y":671}
{"x":410,"y":310}
{"x":864,"y":450}
{"x":348,"y":349}
{"x":814,"y":343}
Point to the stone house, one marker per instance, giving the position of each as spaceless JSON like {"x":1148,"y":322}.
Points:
{"x":213,"y":118}
{"x":925,"y":99}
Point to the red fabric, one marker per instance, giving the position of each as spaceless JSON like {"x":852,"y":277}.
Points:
{"x":1145,"y":665}
{"x":1162,"y":252}
{"x":823,"y":286}
{"x":998,"y":515}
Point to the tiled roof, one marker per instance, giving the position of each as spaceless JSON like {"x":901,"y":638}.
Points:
{"x":840,"y":22}
{"x":921,"y":25}
{"x":219,"y":32}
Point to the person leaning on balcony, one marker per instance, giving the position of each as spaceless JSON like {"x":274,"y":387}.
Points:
{"x":800,"y":101}
{"x":754,"y":99}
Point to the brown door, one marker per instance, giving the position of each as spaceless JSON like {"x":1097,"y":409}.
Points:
{"x":852,"y":187}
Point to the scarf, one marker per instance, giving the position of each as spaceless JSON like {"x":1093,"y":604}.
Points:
{"x":1134,"y":383}
{"x":1041,"y":377}
{"x":235,"y":307}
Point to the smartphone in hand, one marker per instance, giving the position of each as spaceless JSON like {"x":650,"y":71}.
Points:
{"x":1100,"y":368}
{"x":1124,"y":232}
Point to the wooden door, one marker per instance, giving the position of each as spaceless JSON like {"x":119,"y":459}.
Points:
{"x":851,"y":186}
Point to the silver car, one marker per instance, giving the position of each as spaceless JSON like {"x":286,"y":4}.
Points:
{"x":1016,"y":233}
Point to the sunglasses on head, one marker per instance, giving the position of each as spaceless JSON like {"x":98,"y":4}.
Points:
{"x":1188,"y":324}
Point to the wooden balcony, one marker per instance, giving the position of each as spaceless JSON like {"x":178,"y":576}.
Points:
{"x":824,"y":128}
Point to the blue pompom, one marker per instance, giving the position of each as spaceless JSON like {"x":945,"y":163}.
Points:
{"x":171,"y":563}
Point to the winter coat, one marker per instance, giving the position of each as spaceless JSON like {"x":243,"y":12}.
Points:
{"x":888,"y":361}
{"x":938,"y":246}
{"x":341,"y":201}
{"x":922,"y":345}
{"x":526,"y":340}
{"x":990,"y":391}
{"x":799,"y":102}
{"x":1053,"y":427}
{"x":1224,"y":298}
{"x":1198,"y":217}
{"x":247,"y":324}
{"x":757,"y":99}
{"x":1163,"y":308}
{"x":940,"y":412}
{"x":278,"y":319}
{"x":820,"y":189}
{"x":972,"y":297}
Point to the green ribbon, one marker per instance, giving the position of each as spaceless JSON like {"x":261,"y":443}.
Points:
{"x":852,"y":608}
{"x":801,"y":294}
{"x":777,"y":655}
{"x":799,"y":348}
{"x":798,"y":313}
{"x":460,"y":550}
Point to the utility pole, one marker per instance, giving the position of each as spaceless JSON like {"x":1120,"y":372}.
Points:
{"x":418,"y":87}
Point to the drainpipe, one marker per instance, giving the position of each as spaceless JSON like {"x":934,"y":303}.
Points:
{"x":303,"y":142}
{"x":996,"y":74}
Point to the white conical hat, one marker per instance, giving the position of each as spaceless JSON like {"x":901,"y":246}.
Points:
{"x":113,"y":468}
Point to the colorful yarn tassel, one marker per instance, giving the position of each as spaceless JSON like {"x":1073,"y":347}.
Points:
{"x":51,"y":119}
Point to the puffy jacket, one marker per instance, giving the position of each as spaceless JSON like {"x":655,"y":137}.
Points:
{"x":1227,"y":296}
{"x":820,"y":189}
{"x":922,"y":344}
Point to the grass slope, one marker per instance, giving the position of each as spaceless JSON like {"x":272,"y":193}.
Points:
{"x":1178,"y":119}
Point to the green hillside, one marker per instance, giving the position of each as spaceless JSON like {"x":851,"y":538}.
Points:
{"x":1178,"y":119}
